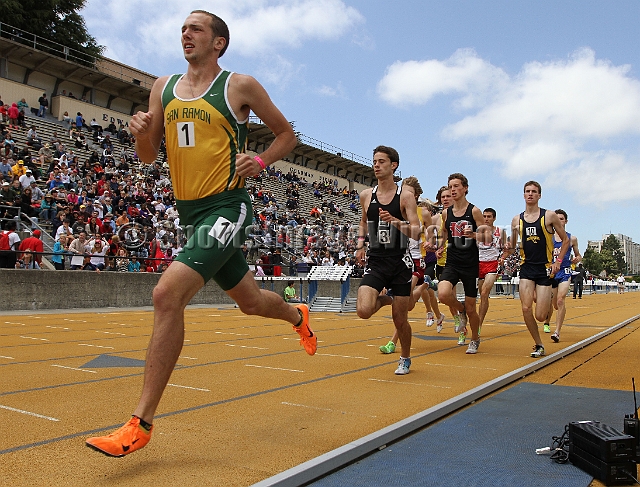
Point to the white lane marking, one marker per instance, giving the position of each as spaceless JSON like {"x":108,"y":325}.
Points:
{"x":111,"y":333}
{"x":27,"y":412}
{"x":460,"y":366}
{"x":33,"y":338}
{"x":214,"y":315}
{"x":96,"y":346}
{"x":188,"y":358}
{"x":73,"y":368}
{"x":245,"y":346}
{"x":9,"y":358}
{"x":411,"y":383}
{"x":13,"y":323}
{"x":325,"y":409}
{"x":230,"y":333}
{"x":81,"y":321}
{"x":342,"y":356}
{"x":272,"y":368}
{"x":187,"y":387}
{"x":57,"y":327}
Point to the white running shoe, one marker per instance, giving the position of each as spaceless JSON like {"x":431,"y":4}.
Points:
{"x":473,"y":346}
{"x":403,"y":366}
{"x":431,"y":318}
{"x":439,"y":324}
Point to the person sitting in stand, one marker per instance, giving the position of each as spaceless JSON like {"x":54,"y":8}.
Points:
{"x":33,"y":139}
{"x":98,"y":251}
{"x":122,"y":260}
{"x":21,"y":121}
{"x":23,"y":105}
{"x":79,"y":247}
{"x":134,"y":265}
{"x":32,"y":249}
{"x":290,"y":295}
{"x":56,"y":182}
{"x":48,"y":208}
{"x":60,"y":248}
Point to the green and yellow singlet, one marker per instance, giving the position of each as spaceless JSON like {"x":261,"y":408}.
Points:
{"x":203,"y":137}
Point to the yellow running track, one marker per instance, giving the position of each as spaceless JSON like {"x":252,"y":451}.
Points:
{"x":245,"y":401}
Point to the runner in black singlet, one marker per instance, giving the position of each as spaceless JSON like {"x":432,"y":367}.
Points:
{"x":463,"y":223}
{"x":389,"y":217}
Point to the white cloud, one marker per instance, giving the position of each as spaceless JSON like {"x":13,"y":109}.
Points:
{"x":140,"y":33}
{"x":337,"y":91}
{"x":266,"y":27}
{"x":578,"y":118}
{"x":416,"y":82}
{"x":579,"y":97}
{"x":598,"y":179}
{"x":279,"y":71}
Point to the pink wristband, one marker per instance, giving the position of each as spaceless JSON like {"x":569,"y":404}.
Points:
{"x":261,"y":162}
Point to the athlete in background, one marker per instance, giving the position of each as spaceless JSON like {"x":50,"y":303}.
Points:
{"x":488,"y":254}
{"x":389,"y":218}
{"x":535,"y":227}
{"x":562,"y":280}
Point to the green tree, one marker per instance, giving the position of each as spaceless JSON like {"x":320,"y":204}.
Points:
{"x":609,"y":263}
{"x":54,"y":20}
{"x":592,"y":262}
{"x":613,"y":245}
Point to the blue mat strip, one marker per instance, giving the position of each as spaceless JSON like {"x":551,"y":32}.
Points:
{"x":491,"y":443}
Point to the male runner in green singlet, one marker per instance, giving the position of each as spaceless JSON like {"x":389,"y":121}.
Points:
{"x":204,"y":114}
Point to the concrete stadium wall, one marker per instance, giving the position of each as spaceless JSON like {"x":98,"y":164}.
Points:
{"x":12,"y":91}
{"x":89,"y":111}
{"x":44,"y":289}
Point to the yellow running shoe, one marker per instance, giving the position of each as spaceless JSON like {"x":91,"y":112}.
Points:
{"x":307,"y":338}
{"x":129,"y":438}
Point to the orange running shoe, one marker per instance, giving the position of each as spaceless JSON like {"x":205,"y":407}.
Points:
{"x":307,"y":338}
{"x":129,"y":438}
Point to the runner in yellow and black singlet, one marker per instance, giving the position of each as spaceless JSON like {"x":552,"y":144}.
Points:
{"x":534,"y":227}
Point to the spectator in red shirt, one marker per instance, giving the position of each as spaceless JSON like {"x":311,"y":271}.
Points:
{"x":97,"y":168}
{"x":32,"y":244}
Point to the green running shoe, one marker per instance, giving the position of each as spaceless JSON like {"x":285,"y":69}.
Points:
{"x":388,"y":348}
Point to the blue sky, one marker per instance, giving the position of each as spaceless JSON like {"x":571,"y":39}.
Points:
{"x":501,"y":91}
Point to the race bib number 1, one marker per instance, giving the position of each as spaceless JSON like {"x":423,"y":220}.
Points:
{"x":186,"y":134}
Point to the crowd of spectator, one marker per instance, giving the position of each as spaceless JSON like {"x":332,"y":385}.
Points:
{"x":323,"y":236}
{"x":106,"y":211}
